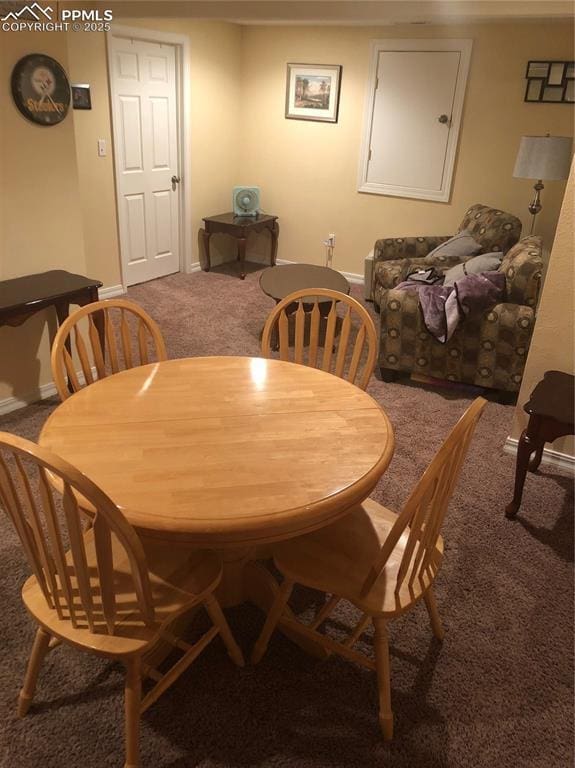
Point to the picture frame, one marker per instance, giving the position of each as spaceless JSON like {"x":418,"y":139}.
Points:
{"x":81,"y":98}
{"x":550,"y":82}
{"x":312,"y":92}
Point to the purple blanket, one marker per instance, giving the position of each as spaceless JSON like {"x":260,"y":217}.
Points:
{"x":444,"y":306}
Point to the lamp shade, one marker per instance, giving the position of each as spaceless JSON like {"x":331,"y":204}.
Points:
{"x":543,"y":157}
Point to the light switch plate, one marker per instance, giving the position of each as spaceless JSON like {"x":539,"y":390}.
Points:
{"x":101,"y":147}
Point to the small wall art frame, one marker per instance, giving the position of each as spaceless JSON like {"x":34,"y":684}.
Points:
{"x":312,"y":92}
{"x":81,"y":98}
{"x":550,"y":82}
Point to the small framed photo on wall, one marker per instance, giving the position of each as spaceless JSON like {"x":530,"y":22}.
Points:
{"x":312,"y":92}
{"x":81,"y":96}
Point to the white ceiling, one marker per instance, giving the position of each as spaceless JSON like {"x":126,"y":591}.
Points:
{"x":368,"y":12}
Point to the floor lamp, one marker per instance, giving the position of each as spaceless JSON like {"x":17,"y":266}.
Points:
{"x":543,"y":158}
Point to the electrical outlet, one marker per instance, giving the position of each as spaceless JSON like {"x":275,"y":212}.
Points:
{"x":331,"y":239}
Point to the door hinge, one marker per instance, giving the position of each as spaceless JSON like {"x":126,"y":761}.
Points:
{"x":369,"y":156}
{"x":376,"y":83}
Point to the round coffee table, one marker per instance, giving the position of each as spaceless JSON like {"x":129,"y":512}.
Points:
{"x":278,"y":282}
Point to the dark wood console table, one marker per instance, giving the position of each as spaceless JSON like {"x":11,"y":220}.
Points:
{"x":551,"y":415}
{"x":22,"y":297}
{"x":240,"y":227}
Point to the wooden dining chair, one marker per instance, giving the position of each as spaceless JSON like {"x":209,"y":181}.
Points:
{"x":109,"y":594}
{"x":343,"y":343}
{"x":118,"y":334}
{"x":381,"y":562}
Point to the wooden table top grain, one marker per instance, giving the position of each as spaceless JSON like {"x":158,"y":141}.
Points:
{"x":225,"y":451}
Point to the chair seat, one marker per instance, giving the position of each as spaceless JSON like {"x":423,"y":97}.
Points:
{"x":337,"y":559}
{"x":179,"y":577}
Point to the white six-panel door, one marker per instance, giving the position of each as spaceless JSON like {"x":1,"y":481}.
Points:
{"x":145,"y":117}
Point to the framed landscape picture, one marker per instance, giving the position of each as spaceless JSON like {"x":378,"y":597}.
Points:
{"x":312,"y":92}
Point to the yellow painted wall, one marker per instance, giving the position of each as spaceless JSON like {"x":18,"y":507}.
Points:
{"x":553,"y":343}
{"x":308,"y":172}
{"x":87,"y":64}
{"x":39,"y":194}
{"x":57,"y":197}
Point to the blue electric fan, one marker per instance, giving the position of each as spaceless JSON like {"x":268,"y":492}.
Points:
{"x":246,"y":201}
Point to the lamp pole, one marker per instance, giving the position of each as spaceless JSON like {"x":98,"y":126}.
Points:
{"x":535,"y":205}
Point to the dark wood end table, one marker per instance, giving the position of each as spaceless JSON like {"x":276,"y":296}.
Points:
{"x":279,"y":282}
{"x":21,"y":297}
{"x":240,"y":227}
{"x":550,"y":410}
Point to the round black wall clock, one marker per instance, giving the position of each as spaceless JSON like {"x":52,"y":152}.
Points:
{"x":40,"y":89}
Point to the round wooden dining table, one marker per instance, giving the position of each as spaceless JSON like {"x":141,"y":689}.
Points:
{"x":226,"y":453}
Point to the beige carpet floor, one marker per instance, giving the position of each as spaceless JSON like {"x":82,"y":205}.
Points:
{"x":497,"y":692}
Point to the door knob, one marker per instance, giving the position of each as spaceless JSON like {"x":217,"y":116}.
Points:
{"x":443,"y":119}
{"x":175,"y":180}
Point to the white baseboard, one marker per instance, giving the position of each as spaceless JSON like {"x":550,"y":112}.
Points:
{"x":352,"y":277}
{"x":111,"y":291}
{"x":9,"y":404}
{"x":43,"y":392}
{"x":554,"y":458}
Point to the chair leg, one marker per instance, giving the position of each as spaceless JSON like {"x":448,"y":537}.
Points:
{"x":217,"y":616}
{"x":272,"y":620}
{"x":381,"y":646}
{"x":39,"y":651}
{"x":434,"y":616}
{"x":132,"y":705}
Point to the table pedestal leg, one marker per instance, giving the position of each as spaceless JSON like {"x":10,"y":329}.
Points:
{"x":260,"y":588}
{"x":536,"y":460}
{"x":242,"y":256}
{"x":275,"y":232}
{"x":527,"y":444}
{"x":206,"y":241}
{"x":62,"y":312}
{"x":230,"y":591}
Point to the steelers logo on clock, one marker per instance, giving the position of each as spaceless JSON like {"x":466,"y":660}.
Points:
{"x":40,"y":89}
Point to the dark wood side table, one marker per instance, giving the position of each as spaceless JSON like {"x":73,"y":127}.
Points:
{"x":279,"y":282}
{"x":550,"y":410}
{"x":21,"y":297}
{"x":240,"y":227}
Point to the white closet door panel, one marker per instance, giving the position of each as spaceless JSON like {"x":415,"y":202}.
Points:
{"x":409,"y":143}
{"x":413,"y":114}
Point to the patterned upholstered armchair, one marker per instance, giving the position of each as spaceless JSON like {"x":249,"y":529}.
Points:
{"x":488,"y":349}
{"x":495,"y":230}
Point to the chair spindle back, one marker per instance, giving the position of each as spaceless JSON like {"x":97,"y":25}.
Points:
{"x":119,"y":335}
{"x":425,"y":510}
{"x":343,"y":343}
{"x":49,"y":522}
